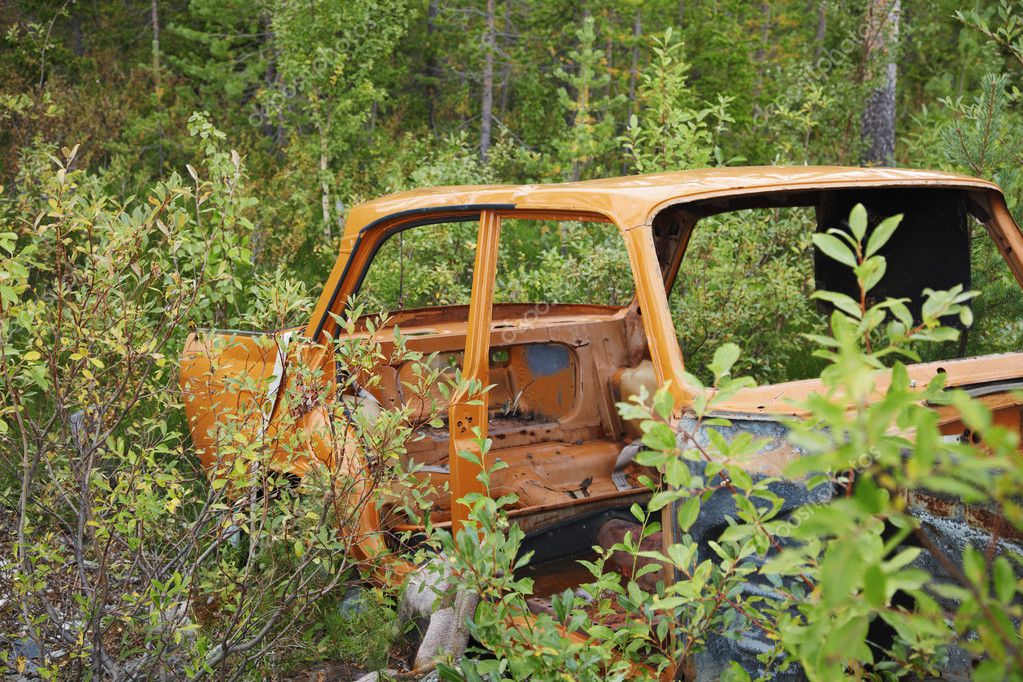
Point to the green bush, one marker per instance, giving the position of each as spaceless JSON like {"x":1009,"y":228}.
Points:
{"x":129,"y":558}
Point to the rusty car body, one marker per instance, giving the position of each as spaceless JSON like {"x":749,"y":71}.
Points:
{"x":573,"y":362}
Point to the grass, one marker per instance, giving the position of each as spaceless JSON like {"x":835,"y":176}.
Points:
{"x":360,"y":629}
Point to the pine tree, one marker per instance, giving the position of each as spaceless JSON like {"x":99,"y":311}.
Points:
{"x":590,"y":133}
{"x":328,"y":54}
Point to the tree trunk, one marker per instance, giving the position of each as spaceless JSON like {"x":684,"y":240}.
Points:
{"x":822,"y":28}
{"x":760,"y":55}
{"x":877,"y":124}
{"x":609,"y":56}
{"x":324,"y":185}
{"x":154,"y":15}
{"x":77,"y":44}
{"x":506,"y":67}
{"x":432,"y":70}
{"x":487,"y":105}
{"x":637,"y":31}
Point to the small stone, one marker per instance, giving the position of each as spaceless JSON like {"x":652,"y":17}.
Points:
{"x":26,"y":651}
{"x":354,"y":601}
{"x":27,"y":648}
{"x":375,"y":676}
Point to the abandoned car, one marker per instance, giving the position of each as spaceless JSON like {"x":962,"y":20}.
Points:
{"x":559,"y":365}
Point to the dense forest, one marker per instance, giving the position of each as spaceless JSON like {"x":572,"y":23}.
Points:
{"x":173,"y":165}
{"x":329,"y":104}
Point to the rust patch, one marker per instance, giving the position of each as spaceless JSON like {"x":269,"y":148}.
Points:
{"x":991,"y":522}
{"x":977,"y":517}
{"x":771,"y":461}
{"x":939,"y":506}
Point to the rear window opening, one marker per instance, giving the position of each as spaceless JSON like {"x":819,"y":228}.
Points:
{"x":746,"y":269}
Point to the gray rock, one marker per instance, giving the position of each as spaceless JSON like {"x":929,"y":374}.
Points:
{"x":376,"y":676}
{"x":28,"y":649}
{"x":354,"y":601}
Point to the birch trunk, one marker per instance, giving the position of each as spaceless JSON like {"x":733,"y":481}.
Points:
{"x":877,"y":124}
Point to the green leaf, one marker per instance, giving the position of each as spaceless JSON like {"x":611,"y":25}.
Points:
{"x":881,"y":234}
{"x":740,"y":478}
{"x":735,"y":673}
{"x":664,"y":403}
{"x":681,"y":555}
{"x":874,"y":272}
{"x":903,"y":558}
{"x":901,"y":312}
{"x":562,"y":603}
{"x":844,"y":303}
{"x":874,"y":586}
{"x":724,"y":358}
{"x":841,"y":570}
{"x":990,"y":670}
{"x":966,"y":316}
{"x":833,"y":247}
{"x":974,"y":412}
{"x":658,"y":436}
{"x":949,"y":591}
{"x":848,"y":640}
{"x":858,"y":221}
{"x":1004,"y":580}
{"x":973,"y":565}
{"x":677,"y":473}
{"x":468,"y":455}
{"x":870,"y":496}
{"x":688,"y":513}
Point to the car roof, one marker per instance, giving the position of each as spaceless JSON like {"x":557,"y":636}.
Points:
{"x":633,"y":200}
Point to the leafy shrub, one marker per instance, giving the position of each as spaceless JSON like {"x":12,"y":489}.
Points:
{"x":130,"y":558}
{"x":671,"y":132}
